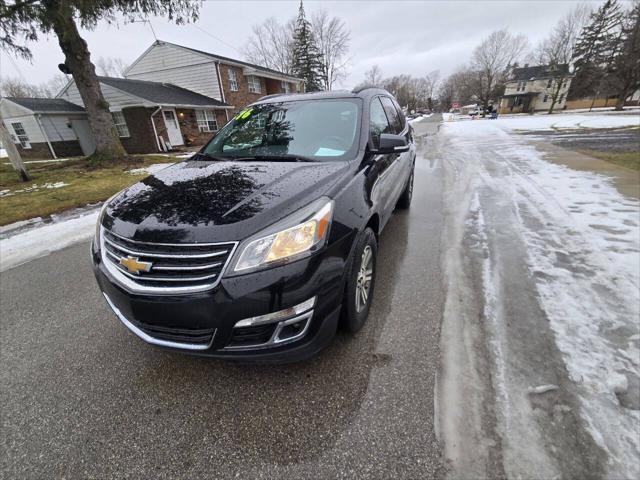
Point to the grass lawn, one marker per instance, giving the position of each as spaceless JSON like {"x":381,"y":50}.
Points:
{"x":86,"y":184}
{"x":623,"y":159}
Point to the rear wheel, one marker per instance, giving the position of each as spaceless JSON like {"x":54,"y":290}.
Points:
{"x":404,"y":201}
{"x":360,"y":282}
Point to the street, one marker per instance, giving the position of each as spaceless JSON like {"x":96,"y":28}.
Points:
{"x":83,"y":397}
{"x":502,"y":342}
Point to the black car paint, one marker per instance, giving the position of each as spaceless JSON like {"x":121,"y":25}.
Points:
{"x":204,"y":201}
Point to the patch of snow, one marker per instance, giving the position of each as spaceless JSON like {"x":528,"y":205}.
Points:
{"x":583,"y":243}
{"x":52,"y":160}
{"x":3,"y":153}
{"x":151,"y":169}
{"x":565,"y":121}
{"x":44,"y":239}
{"x":33,"y":188}
{"x":185,"y":155}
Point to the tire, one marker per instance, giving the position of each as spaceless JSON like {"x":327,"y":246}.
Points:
{"x":404,"y":202}
{"x":356,"y":310}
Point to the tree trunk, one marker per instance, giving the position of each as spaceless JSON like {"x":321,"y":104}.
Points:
{"x":78,"y":59}
{"x":12,"y":151}
{"x":593,"y":101}
{"x":620,"y":100}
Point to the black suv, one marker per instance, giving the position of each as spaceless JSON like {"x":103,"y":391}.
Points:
{"x":262,"y":242}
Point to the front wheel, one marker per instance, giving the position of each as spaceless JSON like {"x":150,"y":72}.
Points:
{"x":404,"y":201}
{"x":360,"y":282}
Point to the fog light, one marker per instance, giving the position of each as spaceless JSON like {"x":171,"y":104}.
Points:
{"x":279,"y":315}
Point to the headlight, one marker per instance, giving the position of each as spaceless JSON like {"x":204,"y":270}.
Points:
{"x":289,"y":243}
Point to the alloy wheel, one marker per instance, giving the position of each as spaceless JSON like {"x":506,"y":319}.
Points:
{"x":363,"y":281}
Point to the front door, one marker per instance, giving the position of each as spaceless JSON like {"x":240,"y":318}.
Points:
{"x":173,"y":129}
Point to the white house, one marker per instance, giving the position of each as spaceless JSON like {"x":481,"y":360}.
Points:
{"x":47,"y":127}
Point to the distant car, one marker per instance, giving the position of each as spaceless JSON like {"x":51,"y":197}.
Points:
{"x":255,"y":247}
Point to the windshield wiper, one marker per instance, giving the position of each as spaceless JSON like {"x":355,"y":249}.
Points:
{"x":281,"y":157}
{"x":214,"y":158}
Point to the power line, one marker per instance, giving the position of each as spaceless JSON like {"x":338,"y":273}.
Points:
{"x":213,"y":36}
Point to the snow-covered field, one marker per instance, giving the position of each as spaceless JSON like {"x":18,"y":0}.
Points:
{"x":559,"y":121}
{"x":579,"y":239}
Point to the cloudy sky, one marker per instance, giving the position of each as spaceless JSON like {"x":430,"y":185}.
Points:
{"x":413,"y":37}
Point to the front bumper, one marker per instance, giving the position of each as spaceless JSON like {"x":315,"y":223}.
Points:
{"x":203,"y":323}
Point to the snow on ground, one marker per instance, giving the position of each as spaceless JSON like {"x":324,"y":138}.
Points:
{"x":41,"y":240}
{"x":150,"y":169}
{"x":582,"y":240}
{"x":3,"y":153}
{"x":33,"y":188}
{"x":566,"y":121}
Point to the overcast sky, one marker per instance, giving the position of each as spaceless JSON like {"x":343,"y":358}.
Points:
{"x":413,"y":37}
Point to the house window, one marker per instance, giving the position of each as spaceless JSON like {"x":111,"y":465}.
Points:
{"x":286,"y":88}
{"x":549,"y":82}
{"x":233,"y":80}
{"x":546,"y":97}
{"x":206,"y":121}
{"x":120,"y":123}
{"x":23,"y":138}
{"x":254,"y":84}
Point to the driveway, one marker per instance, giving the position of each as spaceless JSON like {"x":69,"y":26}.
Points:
{"x":83,"y":398}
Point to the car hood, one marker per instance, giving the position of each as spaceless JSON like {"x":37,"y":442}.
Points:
{"x":202,"y":201}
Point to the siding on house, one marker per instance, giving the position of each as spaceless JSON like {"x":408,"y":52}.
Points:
{"x":58,"y":127}
{"x":116,"y":98}
{"x":29,"y":124}
{"x":171,"y":64}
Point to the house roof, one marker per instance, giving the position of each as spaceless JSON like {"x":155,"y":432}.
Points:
{"x":46,"y":105}
{"x":162,"y":93}
{"x":539,"y":71}
{"x":222,"y":59}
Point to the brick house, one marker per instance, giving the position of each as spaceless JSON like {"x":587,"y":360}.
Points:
{"x":234,"y":82}
{"x":173,"y":96}
{"x":155,"y":117}
{"x":46,"y":127}
{"x":530,"y":89}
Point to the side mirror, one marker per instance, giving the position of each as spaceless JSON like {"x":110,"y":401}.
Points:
{"x":390,"y":143}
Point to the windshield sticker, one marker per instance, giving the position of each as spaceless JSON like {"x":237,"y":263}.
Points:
{"x":244,"y":114}
{"x":328,"y":152}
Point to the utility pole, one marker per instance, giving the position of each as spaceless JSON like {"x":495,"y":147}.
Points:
{"x":12,"y":151}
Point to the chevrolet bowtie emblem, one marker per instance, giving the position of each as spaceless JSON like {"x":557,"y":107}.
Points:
{"x":134,"y":265}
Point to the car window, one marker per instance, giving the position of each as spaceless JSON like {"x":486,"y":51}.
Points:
{"x":322,"y":130}
{"x":392,"y":114}
{"x":378,"y":122}
{"x":401,"y":115}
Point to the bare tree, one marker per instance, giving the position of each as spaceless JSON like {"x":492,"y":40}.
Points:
{"x":333,"y":39}
{"x":456,"y":88}
{"x":271,"y":45}
{"x":490,"y":63}
{"x":111,"y":66}
{"x":557,"y":50}
{"x":13,"y":87}
{"x":372,"y":78}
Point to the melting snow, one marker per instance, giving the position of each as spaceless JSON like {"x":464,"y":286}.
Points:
{"x":150,"y":169}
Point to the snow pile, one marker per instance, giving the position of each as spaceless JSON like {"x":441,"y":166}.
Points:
{"x":42,"y":240}
{"x":150,"y":169}
{"x":583,"y":244}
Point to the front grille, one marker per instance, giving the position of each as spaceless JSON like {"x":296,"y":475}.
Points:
{"x":183,"y":335}
{"x":172,"y":268}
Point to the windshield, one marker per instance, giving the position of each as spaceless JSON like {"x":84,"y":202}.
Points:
{"x":308,"y":129}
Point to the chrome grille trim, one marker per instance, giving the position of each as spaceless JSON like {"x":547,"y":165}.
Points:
{"x":156,"y":341}
{"x":165,"y":255}
{"x":196,"y":276}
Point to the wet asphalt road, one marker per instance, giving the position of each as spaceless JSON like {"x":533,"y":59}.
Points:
{"x":81,"y":397}
{"x":621,"y":140}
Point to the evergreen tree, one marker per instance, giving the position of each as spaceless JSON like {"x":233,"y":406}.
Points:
{"x":306,"y":57}
{"x":595,"y":49}
{"x":625,"y":66}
